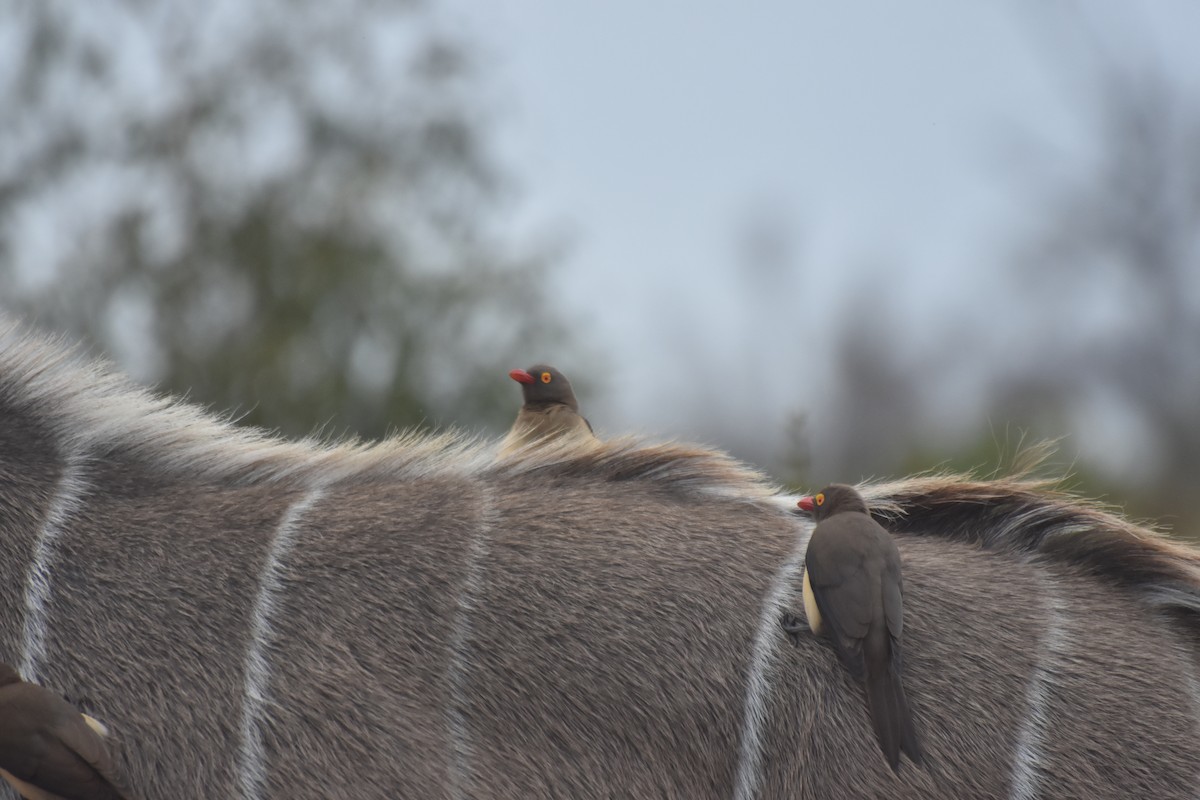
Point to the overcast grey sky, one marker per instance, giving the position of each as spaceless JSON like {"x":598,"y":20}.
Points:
{"x":886,"y":160}
{"x":881,"y":136}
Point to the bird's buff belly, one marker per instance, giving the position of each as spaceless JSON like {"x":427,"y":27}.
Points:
{"x":811,"y":612}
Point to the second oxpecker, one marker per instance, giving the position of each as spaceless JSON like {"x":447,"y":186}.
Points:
{"x":549,"y":409}
{"x":854,"y":595}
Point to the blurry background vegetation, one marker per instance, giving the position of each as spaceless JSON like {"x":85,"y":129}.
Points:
{"x":297,"y":213}
{"x":286,"y":211}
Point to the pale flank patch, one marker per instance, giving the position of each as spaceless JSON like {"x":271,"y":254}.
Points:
{"x":811,"y":612}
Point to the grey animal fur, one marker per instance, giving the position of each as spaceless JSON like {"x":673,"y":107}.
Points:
{"x":416,"y":618}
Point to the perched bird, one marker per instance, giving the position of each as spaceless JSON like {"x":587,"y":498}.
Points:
{"x":853,"y":593}
{"x":50,"y":751}
{"x":550,"y":409}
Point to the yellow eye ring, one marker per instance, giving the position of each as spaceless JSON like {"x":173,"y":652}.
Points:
{"x":545,"y":377}
{"x":819,"y":499}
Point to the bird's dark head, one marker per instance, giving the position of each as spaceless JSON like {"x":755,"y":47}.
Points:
{"x":834,"y":498}
{"x":8,"y":675}
{"x":543,"y":385}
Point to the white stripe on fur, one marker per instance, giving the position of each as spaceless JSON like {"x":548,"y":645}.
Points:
{"x":252,"y":774}
{"x":1192,"y":684}
{"x":1031,"y":738}
{"x":72,"y":486}
{"x":461,"y":751}
{"x":758,"y":683}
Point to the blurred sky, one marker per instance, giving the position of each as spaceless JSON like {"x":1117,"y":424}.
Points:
{"x":887,"y":144}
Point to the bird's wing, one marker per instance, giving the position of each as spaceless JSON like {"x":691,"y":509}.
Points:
{"x":839,"y":583}
{"x":61,"y":772}
{"x":893,"y":595}
{"x":84,"y":759}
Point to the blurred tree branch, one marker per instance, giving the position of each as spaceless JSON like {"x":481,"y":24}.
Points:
{"x":1121,"y":234}
{"x":284,"y":207}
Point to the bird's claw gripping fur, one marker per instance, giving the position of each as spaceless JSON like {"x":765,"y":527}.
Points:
{"x":793,"y":625}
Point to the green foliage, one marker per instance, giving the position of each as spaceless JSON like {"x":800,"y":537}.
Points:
{"x":282,"y":208}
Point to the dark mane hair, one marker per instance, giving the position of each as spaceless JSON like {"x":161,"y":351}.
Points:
{"x":1035,"y":518}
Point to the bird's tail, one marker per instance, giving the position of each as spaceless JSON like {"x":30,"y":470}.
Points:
{"x":890,"y":714}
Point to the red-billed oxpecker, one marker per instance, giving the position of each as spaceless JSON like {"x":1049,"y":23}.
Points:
{"x":550,"y":409}
{"x":50,"y":751}
{"x":854,"y":595}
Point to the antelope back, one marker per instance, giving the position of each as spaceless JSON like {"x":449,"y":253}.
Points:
{"x":416,"y":618}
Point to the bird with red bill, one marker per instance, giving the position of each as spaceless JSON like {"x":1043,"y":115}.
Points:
{"x":854,"y":596}
{"x":549,"y":410}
